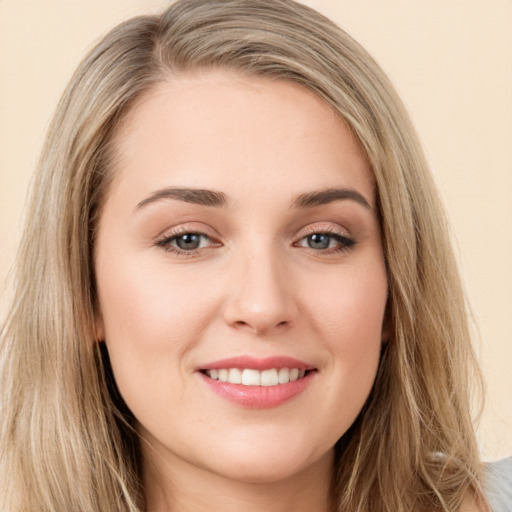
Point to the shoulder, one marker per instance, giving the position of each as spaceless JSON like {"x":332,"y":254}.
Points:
{"x":498,"y":485}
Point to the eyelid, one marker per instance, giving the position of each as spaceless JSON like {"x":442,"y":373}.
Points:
{"x":324,"y":227}
{"x":344,"y":238}
{"x":183,"y":229}
{"x":187,"y":227}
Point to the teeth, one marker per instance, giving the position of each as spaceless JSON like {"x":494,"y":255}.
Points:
{"x":269,"y":378}
{"x":235,"y":376}
{"x":250,"y":377}
{"x":284,"y":375}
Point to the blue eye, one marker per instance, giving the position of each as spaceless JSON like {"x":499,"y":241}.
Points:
{"x":188,"y":241}
{"x":319,"y":241}
{"x":185,"y":242}
{"x":326,"y":241}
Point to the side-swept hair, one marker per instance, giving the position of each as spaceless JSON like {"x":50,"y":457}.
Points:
{"x":65,"y":440}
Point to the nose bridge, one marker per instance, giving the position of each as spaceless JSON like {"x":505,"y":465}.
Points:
{"x":261,"y":296}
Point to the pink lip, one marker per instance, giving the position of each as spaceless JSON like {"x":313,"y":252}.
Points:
{"x":254,"y":363}
{"x":258,"y":397}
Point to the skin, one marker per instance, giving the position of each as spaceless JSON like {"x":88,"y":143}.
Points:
{"x":255,"y":286}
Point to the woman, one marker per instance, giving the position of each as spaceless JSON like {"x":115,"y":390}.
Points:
{"x":243,"y":295}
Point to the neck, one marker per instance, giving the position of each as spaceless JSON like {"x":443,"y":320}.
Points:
{"x":185,"y":488}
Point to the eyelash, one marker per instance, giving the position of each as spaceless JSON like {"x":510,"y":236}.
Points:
{"x":166,"y":243}
{"x":344,"y":242}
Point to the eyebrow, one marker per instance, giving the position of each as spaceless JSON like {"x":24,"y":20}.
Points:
{"x":188,"y":195}
{"x":213,"y":198}
{"x":318,"y":198}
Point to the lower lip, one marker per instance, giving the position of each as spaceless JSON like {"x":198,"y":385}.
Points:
{"x":259,"y":397}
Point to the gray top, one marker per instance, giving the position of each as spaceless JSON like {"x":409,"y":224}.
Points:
{"x":498,"y":485}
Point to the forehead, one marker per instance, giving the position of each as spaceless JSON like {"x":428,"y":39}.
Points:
{"x":219,"y":129}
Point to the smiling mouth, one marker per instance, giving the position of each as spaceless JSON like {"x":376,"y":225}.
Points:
{"x":253,"y":377}
{"x":258,"y":383}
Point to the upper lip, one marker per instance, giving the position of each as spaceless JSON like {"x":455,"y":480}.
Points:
{"x":255,"y":363}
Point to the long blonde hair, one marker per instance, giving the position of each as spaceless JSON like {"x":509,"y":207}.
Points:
{"x":65,"y":438}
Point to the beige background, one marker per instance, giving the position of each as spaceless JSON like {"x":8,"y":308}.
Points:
{"x":450,"y":60}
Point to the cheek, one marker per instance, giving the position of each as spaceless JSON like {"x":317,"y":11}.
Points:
{"x":149,"y":312}
{"x":152,"y":320}
{"x":141,"y":299}
{"x":349,"y":308}
{"x":349,"y":315}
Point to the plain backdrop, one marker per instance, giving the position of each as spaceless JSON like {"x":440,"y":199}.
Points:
{"x":451,"y":60}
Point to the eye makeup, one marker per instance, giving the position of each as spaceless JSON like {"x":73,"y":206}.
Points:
{"x":318,"y":240}
{"x":186,"y":242}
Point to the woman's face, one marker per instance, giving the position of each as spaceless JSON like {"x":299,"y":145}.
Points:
{"x":239,"y":241}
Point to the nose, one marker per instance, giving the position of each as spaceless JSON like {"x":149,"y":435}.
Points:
{"x":261,"y":298}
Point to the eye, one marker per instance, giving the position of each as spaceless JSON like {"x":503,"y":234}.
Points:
{"x":330,"y":242}
{"x":190,"y":241}
{"x":185,"y":242}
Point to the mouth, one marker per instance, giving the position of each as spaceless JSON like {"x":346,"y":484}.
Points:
{"x":258,"y":383}
{"x":253,"y":377}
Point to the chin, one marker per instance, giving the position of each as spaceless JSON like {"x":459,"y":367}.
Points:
{"x":256,"y":464}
